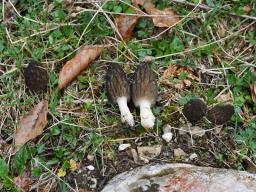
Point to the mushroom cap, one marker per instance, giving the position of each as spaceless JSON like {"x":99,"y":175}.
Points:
{"x":36,"y":77}
{"x":220,"y":114}
{"x":194,"y":110}
{"x":117,"y":84}
{"x":144,"y":86}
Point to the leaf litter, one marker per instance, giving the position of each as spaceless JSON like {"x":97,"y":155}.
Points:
{"x":84,"y":57}
{"x":32,"y":124}
{"x":161,"y":18}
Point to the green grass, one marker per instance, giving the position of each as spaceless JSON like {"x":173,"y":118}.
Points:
{"x":211,"y":39}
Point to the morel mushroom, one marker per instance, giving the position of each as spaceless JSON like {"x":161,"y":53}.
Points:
{"x":118,"y":91}
{"x":36,"y":77}
{"x":144,"y":94}
{"x":220,"y":114}
{"x":194,"y":110}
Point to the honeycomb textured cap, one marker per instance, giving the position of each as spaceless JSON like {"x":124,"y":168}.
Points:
{"x":220,"y":114}
{"x":117,"y":84}
{"x":194,"y":110}
{"x":36,"y":77}
{"x":144,"y":86}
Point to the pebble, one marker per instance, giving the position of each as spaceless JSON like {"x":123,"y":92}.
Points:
{"x":193,"y":156}
{"x":124,"y":146}
{"x":179,"y":152}
{"x":90,"y":167}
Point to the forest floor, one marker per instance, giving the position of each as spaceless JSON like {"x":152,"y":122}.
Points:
{"x":213,"y":45}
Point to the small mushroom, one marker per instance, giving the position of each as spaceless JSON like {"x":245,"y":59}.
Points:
{"x":118,"y":91}
{"x":194,"y":110}
{"x":220,"y":114}
{"x":36,"y":77}
{"x":144,"y":93}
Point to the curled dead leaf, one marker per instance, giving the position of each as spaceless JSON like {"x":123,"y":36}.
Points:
{"x":125,"y":25}
{"x":162,"y":18}
{"x":85,"y":56}
{"x":32,"y":124}
{"x":174,"y":71}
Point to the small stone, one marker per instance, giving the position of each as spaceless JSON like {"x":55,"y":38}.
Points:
{"x":167,"y":128}
{"x":73,"y":15}
{"x":193,"y":156}
{"x":90,"y":167}
{"x":124,"y":146}
{"x":197,"y":131}
{"x":167,"y":137}
{"x":90,"y":157}
{"x":93,"y":183}
{"x":179,"y":153}
{"x":149,"y":152}
{"x":184,"y":129}
{"x":135,"y":155}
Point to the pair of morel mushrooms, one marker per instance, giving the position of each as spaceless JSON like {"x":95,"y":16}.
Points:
{"x":142,"y":91}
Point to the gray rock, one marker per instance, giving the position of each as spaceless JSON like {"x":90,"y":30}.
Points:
{"x":182,"y":178}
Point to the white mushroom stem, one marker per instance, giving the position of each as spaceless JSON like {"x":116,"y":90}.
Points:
{"x":126,"y":115}
{"x":146,"y":116}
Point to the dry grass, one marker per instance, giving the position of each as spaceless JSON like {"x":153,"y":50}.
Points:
{"x":216,"y":44}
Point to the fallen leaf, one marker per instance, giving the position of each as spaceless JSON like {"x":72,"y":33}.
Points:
{"x":61,"y":172}
{"x":125,"y":25}
{"x":4,"y":148}
{"x":174,"y":71}
{"x":85,"y":56}
{"x":32,"y":124}
{"x":253,"y":89}
{"x":163,"y":18}
{"x":23,"y":181}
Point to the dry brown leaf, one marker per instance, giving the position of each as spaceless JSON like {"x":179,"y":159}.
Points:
{"x":253,"y":89}
{"x":174,"y":71}
{"x":85,"y":56}
{"x":4,"y":148}
{"x":163,"y":18}
{"x":125,"y":25}
{"x":23,"y":181}
{"x":32,"y":124}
